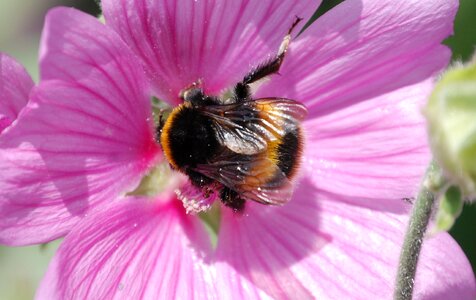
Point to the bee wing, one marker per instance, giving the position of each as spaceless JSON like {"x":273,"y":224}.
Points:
{"x":247,"y":127}
{"x":254,"y":177}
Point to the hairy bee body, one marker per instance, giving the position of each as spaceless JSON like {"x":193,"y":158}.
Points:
{"x":196,"y":143}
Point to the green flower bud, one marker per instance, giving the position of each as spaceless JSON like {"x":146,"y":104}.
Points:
{"x":451,"y":116}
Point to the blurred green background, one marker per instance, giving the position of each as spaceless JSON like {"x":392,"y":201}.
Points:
{"x":20,"y":25}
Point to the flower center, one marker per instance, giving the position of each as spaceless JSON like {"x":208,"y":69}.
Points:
{"x":162,"y":179}
{"x":159,"y":180}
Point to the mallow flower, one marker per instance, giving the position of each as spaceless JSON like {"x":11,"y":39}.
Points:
{"x":87,"y":139}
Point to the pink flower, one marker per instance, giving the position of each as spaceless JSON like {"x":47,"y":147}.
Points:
{"x":86,"y":139}
{"x":15,"y":85}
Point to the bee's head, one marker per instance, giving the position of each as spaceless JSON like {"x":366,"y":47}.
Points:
{"x":194,"y":96}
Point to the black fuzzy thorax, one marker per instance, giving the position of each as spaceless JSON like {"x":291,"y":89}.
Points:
{"x":192,"y":138}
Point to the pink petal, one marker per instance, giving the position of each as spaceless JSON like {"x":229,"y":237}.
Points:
{"x":317,"y":247}
{"x":362,"y":49}
{"x":78,"y":143}
{"x":15,"y":85}
{"x":138,"y":249}
{"x":132,"y":249}
{"x":370,"y":152}
{"x":215,"y":41}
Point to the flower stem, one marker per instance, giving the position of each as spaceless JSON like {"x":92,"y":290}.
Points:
{"x":414,"y":236}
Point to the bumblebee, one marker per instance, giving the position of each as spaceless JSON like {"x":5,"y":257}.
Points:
{"x":240,"y":147}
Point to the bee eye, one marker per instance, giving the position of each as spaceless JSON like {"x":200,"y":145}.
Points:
{"x":194,"y":95}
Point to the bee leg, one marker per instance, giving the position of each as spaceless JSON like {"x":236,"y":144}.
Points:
{"x":242,"y":89}
{"x":231,"y":199}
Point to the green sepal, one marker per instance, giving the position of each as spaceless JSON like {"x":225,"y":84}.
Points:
{"x":451,"y":205}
